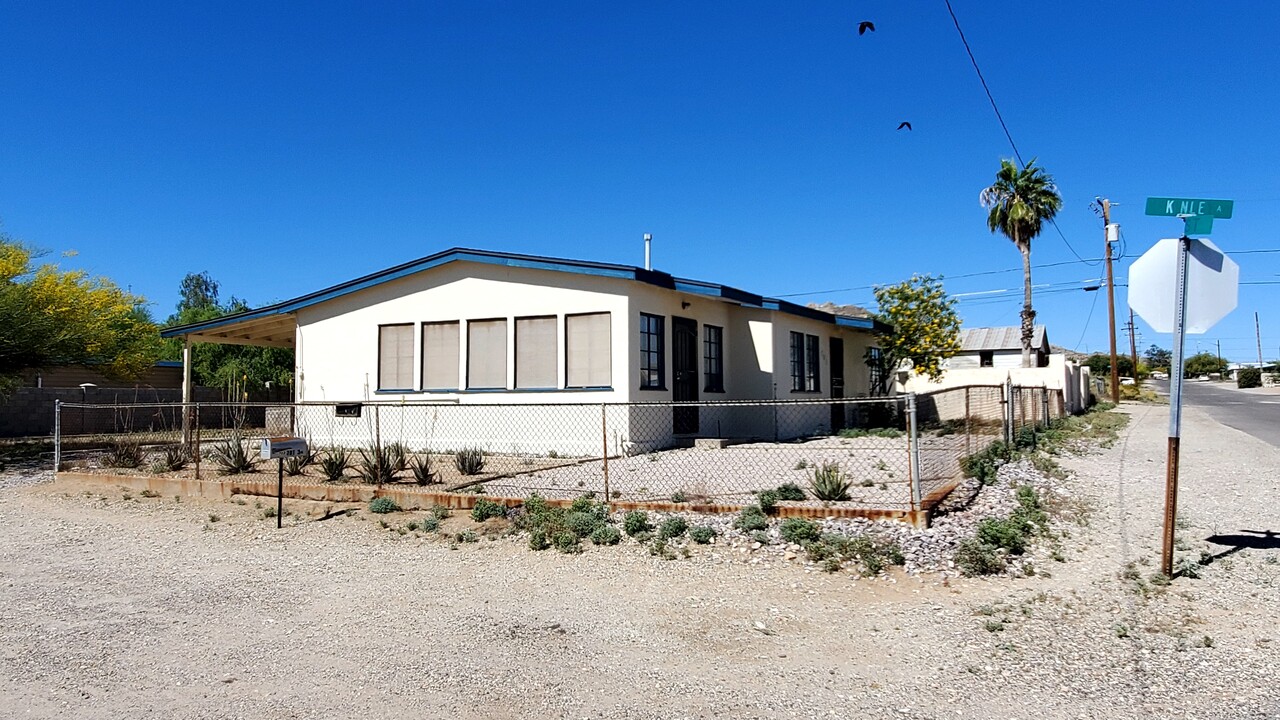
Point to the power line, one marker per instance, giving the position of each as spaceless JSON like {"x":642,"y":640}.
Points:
{"x":1089,"y":317}
{"x":944,"y":277}
{"x":1004,"y":126}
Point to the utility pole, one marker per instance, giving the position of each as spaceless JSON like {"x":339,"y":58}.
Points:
{"x":1111,"y":235}
{"x":1257,"y":332}
{"x":1219,"y":345}
{"x":1133,"y":345}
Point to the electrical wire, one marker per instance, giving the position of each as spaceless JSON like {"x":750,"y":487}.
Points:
{"x":1004,"y":126}
{"x":1087,"y":318}
{"x":943,"y":277}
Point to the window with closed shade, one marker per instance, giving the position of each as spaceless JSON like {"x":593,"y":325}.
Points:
{"x":536,"y":352}
{"x":395,"y":357}
{"x":588,"y":351}
{"x":440,"y":356}
{"x":487,"y":354}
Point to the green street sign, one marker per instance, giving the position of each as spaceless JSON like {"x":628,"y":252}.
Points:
{"x":1198,"y":225}
{"x":1190,"y":206}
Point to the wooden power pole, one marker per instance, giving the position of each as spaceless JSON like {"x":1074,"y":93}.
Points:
{"x":1133,"y":345}
{"x":1111,"y":298}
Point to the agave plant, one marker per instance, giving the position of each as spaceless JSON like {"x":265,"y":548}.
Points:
{"x":123,"y":453}
{"x":295,"y":465}
{"x":830,"y":483}
{"x":232,"y":457}
{"x":469,"y":460}
{"x":375,"y":466}
{"x":174,"y":458}
{"x":423,"y":474}
{"x":334,"y":463}
{"x":398,"y":455}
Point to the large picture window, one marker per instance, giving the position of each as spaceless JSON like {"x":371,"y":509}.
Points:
{"x":588,"y":351}
{"x":536,"y":352}
{"x":395,"y":357}
{"x":804,"y":363}
{"x":440,"y":356}
{"x":713,"y":357}
{"x":652,"y":348}
{"x":487,"y":354}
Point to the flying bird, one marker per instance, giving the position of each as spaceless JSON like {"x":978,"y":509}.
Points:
{"x":904,"y":125}
{"x":866,"y":25}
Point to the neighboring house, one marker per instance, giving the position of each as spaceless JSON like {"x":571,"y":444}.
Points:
{"x":990,"y":356}
{"x":473,"y":327}
{"x":999,"y":347}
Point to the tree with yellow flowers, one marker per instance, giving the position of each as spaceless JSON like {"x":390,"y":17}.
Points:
{"x":924,"y":329}
{"x":51,"y":317}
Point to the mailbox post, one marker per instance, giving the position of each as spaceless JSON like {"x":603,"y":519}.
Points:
{"x":279,"y":448}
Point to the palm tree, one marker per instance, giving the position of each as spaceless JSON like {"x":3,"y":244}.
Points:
{"x":1020,"y":201}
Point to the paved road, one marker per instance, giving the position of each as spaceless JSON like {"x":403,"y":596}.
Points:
{"x":1254,"y":413}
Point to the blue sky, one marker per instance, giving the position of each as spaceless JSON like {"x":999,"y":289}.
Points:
{"x":283,"y":148}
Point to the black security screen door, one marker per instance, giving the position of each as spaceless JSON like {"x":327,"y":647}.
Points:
{"x":837,"y":384}
{"x":684,"y":374}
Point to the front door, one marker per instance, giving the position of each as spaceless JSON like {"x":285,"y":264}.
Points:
{"x":684,"y":374}
{"x":837,"y":385}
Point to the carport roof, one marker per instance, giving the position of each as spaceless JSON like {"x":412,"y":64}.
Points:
{"x":275,"y":325}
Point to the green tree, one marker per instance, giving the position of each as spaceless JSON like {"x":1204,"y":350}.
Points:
{"x":1100,"y":365}
{"x":1204,"y":363}
{"x":1158,"y":357}
{"x":51,"y":317}
{"x":924,"y":328}
{"x":215,"y":365}
{"x":1019,"y":203}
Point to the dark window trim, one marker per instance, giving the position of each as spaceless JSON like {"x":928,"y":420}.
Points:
{"x":379,"y":365}
{"x":812,"y":363}
{"x":661,"y":336}
{"x":714,"y":381}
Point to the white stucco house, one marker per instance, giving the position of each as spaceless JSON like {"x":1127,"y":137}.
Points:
{"x":472,"y":327}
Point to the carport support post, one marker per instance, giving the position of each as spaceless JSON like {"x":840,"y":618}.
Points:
{"x":913,"y":450}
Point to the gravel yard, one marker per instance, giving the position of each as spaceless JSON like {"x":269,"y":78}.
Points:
{"x":147,"y":607}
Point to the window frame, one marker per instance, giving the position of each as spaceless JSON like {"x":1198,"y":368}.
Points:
{"x":875,"y":369}
{"x":797,"y":361}
{"x":555,"y":348}
{"x":422,"y":362}
{"x":409,"y":387}
{"x":713,"y":378}
{"x":568,"y":384}
{"x":506,"y":352}
{"x":986,"y":358}
{"x":812,"y":363}
{"x":660,"y":337}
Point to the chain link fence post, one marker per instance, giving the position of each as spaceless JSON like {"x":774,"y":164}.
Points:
{"x":195,"y":450}
{"x":604,"y":451}
{"x":913,"y":450}
{"x":57,"y":435}
{"x":1008,"y":410}
{"x":968,"y":429}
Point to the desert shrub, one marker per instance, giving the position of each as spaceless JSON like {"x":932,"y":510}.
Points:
{"x":832,"y":550}
{"x":374,"y":466}
{"x":538,"y":539}
{"x":334,"y":463}
{"x":829,"y":483}
{"x":429,"y":523}
{"x":485,"y":509}
{"x":659,"y":548}
{"x":791,"y":492}
{"x":880,"y":432}
{"x":1025,"y":438}
{"x":768,"y":500}
{"x":1249,"y":378}
{"x":383,"y":505}
{"x":679,"y":497}
{"x":397,"y":456}
{"x":583,"y":524}
{"x":702,"y":534}
{"x":975,"y":557}
{"x":174,"y":458}
{"x":606,"y":535}
{"x":751,"y":518}
{"x":231,"y":457}
{"x":123,"y":454}
{"x":587,"y":504}
{"x":420,"y":466}
{"x":984,"y":465}
{"x":440,"y":511}
{"x":469,"y":460}
{"x":673,"y":527}
{"x":1004,"y":533}
{"x":467,"y":536}
{"x":799,"y":530}
{"x":636,"y":522}
{"x":566,"y":541}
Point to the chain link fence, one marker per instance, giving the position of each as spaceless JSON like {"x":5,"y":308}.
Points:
{"x":893,"y":454}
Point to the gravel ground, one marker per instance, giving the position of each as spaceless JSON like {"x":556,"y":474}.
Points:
{"x":148,"y":607}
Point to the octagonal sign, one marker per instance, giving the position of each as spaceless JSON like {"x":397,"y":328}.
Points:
{"x":1213,"y":281}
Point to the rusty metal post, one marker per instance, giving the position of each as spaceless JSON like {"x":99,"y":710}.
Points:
{"x":604,"y":449}
{"x":377,"y":427}
{"x":195,"y":451}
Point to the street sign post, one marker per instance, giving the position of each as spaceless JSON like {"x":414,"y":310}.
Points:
{"x":1205,"y":285}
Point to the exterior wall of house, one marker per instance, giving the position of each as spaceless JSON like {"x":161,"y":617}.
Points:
{"x":1060,"y":374}
{"x":337,"y":360}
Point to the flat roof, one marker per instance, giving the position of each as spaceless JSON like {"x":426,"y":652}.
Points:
{"x":275,"y":325}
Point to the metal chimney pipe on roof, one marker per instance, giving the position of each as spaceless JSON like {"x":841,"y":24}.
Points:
{"x":648,"y":244}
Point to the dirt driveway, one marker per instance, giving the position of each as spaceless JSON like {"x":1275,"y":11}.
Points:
{"x":147,"y":607}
